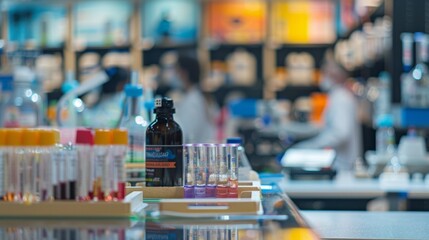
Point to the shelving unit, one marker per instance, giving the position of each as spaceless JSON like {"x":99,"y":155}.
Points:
{"x":269,"y":54}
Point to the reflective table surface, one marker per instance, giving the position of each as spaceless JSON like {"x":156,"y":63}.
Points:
{"x":281,"y":220}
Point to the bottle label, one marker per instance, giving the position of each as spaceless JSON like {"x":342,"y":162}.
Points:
{"x":164,"y":165}
{"x":16,"y":118}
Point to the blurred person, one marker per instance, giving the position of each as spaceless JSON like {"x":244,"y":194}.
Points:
{"x":195,"y":113}
{"x":106,"y":111}
{"x":341,"y":129}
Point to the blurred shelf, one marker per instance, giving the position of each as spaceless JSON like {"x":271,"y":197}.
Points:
{"x":50,"y":50}
{"x":371,"y":69}
{"x":303,"y":45}
{"x":121,"y":48}
{"x":220,"y":94}
{"x":294,"y":92}
{"x":170,"y":46}
{"x":224,"y":45}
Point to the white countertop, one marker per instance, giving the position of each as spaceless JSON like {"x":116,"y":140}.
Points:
{"x":369,"y":225}
{"x":346,"y":186}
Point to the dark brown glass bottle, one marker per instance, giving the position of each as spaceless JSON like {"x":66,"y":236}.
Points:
{"x":164,"y":139}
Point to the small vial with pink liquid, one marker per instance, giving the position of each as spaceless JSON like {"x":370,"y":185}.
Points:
{"x":222,"y":171}
{"x":232,"y":152}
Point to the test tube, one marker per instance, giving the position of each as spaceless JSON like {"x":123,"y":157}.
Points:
{"x":61,"y":167}
{"x":189,"y":156}
{"x":117,"y":166}
{"x":70,"y":155}
{"x":28,"y":165}
{"x":84,"y":145}
{"x":12,"y":180}
{"x":47,"y":168}
{"x":2,"y":162}
{"x":200,"y":171}
{"x":232,"y":150}
{"x":222,"y":168}
{"x":102,"y":141}
{"x":212,"y":172}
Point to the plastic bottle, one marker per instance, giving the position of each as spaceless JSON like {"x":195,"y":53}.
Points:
{"x":6,"y":89}
{"x":136,"y":125}
{"x":102,"y":141}
{"x":407,"y":84}
{"x":25,"y":107}
{"x":422,"y":41}
{"x":84,"y":145}
{"x":164,"y":139}
{"x":75,"y":106}
{"x":385,"y":135}
{"x":383,"y":102}
{"x":117,"y":164}
{"x":419,"y":93}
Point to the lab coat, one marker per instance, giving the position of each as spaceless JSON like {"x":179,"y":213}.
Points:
{"x":195,"y":117}
{"x":341,"y":130}
{"x":105,"y":114}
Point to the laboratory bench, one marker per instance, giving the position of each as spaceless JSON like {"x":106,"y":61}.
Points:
{"x":346,"y":192}
{"x":369,"y":225}
{"x":280,"y":220}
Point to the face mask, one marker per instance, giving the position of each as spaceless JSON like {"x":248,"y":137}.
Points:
{"x":173,"y":78}
{"x":326,"y":84}
{"x":176,"y":82}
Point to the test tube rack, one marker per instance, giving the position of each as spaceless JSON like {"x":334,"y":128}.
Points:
{"x":172,"y":202}
{"x":132,"y":204}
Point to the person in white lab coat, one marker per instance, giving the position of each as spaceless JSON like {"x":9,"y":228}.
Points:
{"x":194,"y":112}
{"x":341,"y":130}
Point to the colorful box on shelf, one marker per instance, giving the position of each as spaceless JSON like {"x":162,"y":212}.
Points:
{"x":171,"y":201}
{"x":133,"y":203}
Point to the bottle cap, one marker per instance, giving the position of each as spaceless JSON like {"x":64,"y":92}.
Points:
{"x":133,"y":90}
{"x":164,"y":105}
{"x":150,"y":104}
{"x":418,"y":36}
{"x":102,"y":137}
{"x":13,"y":137}
{"x":2,"y":137}
{"x":48,"y":137}
{"x":120,"y":137}
{"x":385,"y":120}
{"x":6,"y":82}
{"x":234,"y":140}
{"x":84,"y":137}
{"x":30,"y":137}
